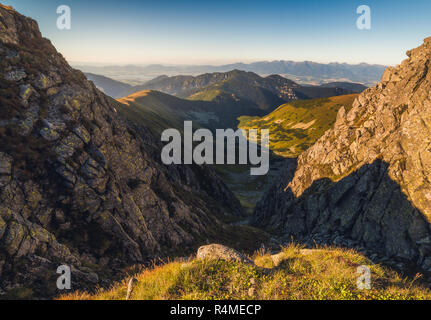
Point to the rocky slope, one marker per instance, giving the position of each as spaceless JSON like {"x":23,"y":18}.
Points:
{"x":79,"y":185}
{"x":367,"y":181}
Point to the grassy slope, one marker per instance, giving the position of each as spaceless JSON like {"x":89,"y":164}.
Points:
{"x":295,"y":126}
{"x":208,"y":95}
{"x":328,"y":273}
{"x":159,"y":111}
{"x":256,"y":96}
{"x":153,"y":110}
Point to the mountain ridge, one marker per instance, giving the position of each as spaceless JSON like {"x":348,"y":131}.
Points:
{"x":304,"y":72}
{"x":366,"y":181}
{"x":265,"y":93}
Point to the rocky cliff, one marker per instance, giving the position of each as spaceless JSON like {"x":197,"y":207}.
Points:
{"x":367,"y":181}
{"x":78,"y":184}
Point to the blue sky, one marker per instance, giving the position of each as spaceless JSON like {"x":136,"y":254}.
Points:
{"x":217,"y":32}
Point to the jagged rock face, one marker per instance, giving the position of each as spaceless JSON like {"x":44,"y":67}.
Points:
{"x":79,"y":185}
{"x":367,"y":180}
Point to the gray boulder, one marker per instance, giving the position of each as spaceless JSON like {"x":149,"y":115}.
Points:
{"x":220,"y":252}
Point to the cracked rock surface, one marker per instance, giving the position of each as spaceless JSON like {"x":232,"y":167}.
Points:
{"x":367,"y":181}
{"x":78,"y":184}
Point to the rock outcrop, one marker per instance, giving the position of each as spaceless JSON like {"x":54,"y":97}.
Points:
{"x":220,"y":252}
{"x":367,"y":181}
{"x":79,"y":185}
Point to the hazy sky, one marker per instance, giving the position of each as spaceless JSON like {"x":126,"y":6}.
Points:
{"x":216,"y":32}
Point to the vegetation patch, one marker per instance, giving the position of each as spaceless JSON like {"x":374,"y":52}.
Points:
{"x":324,"y":273}
{"x":295,"y":126}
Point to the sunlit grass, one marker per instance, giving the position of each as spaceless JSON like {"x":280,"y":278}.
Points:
{"x":326,"y":273}
{"x":295,"y":126}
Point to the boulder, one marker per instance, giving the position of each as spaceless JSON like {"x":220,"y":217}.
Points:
{"x":220,"y":252}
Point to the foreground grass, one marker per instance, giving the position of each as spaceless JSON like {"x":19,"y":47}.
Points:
{"x":327,"y":273}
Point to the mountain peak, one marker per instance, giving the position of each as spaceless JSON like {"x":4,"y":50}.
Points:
{"x":15,"y":28}
{"x":366,"y":182}
{"x":421,"y":51}
{"x":10,"y":8}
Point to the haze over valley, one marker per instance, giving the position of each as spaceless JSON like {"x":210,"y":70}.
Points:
{"x":302,"y":72}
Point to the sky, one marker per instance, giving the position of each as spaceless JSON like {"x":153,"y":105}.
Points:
{"x":222,"y":31}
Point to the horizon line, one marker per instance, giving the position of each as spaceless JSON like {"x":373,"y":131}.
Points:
{"x":138,"y":64}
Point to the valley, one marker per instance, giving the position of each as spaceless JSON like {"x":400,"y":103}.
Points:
{"x":232,"y":99}
{"x":160,"y":111}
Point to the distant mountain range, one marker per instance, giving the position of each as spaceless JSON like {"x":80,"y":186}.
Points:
{"x":302,"y":72}
{"x":244,"y":90}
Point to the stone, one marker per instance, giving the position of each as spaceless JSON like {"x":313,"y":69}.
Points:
{"x":14,"y":237}
{"x":49,"y":134}
{"x":82,"y":133}
{"x":26,"y":91}
{"x":3,"y":226}
{"x":220,"y":252}
{"x":52,"y":91}
{"x":5,"y":164}
{"x":43,"y":82}
{"x":68,"y":146}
